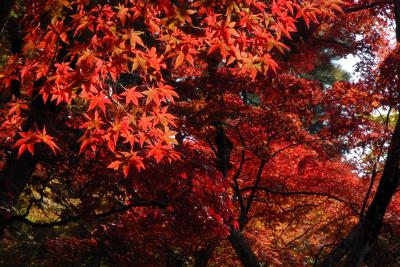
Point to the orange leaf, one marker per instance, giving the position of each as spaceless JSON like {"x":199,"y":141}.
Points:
{"x":179,"y":60}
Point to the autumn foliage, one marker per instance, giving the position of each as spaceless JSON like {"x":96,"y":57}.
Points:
{"x":187,"y":133}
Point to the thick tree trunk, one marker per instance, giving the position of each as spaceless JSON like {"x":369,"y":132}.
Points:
{"x":174,"y":259}
{"x":5,"y":11}
{"x":397,"y":18}
{"x":237,"y":240}
{"x":360,"y":240}
{"x":203,"y":255}
{"x":371,"y":225}
{"x":243,"y":249}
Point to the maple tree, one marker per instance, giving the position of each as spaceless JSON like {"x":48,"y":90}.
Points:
{"x":196,"y":133}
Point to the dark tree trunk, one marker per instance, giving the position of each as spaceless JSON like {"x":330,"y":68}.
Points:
{"x":203,"y":255}
{"x":174,"y":260}
{"x":224,"y":148}
{"x":5,"y":11}
{"x":360,"y":240}
{"x":237,"y":240}
{"x":397,"y":18}
{"x":243,"y":249}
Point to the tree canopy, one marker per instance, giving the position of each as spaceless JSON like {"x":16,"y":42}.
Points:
{"x":199,"y":133}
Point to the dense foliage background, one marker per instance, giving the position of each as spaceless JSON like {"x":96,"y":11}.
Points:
{"x":199,"y":133}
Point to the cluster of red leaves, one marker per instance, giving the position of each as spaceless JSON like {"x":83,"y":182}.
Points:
{"x":82,"y":49}
{"x":130,"y":75}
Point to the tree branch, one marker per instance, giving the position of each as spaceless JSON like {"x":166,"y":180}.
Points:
{"x":236,"y":186}
{"x":303,"y":193}
{"x":255,"y":187}
{"x":75,"y":218}
{"x":374,"y":170}
{"x":357,"y":8}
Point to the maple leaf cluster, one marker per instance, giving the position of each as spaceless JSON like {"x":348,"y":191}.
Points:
{"x":193,"y":119}
{"x":84,"y":52}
